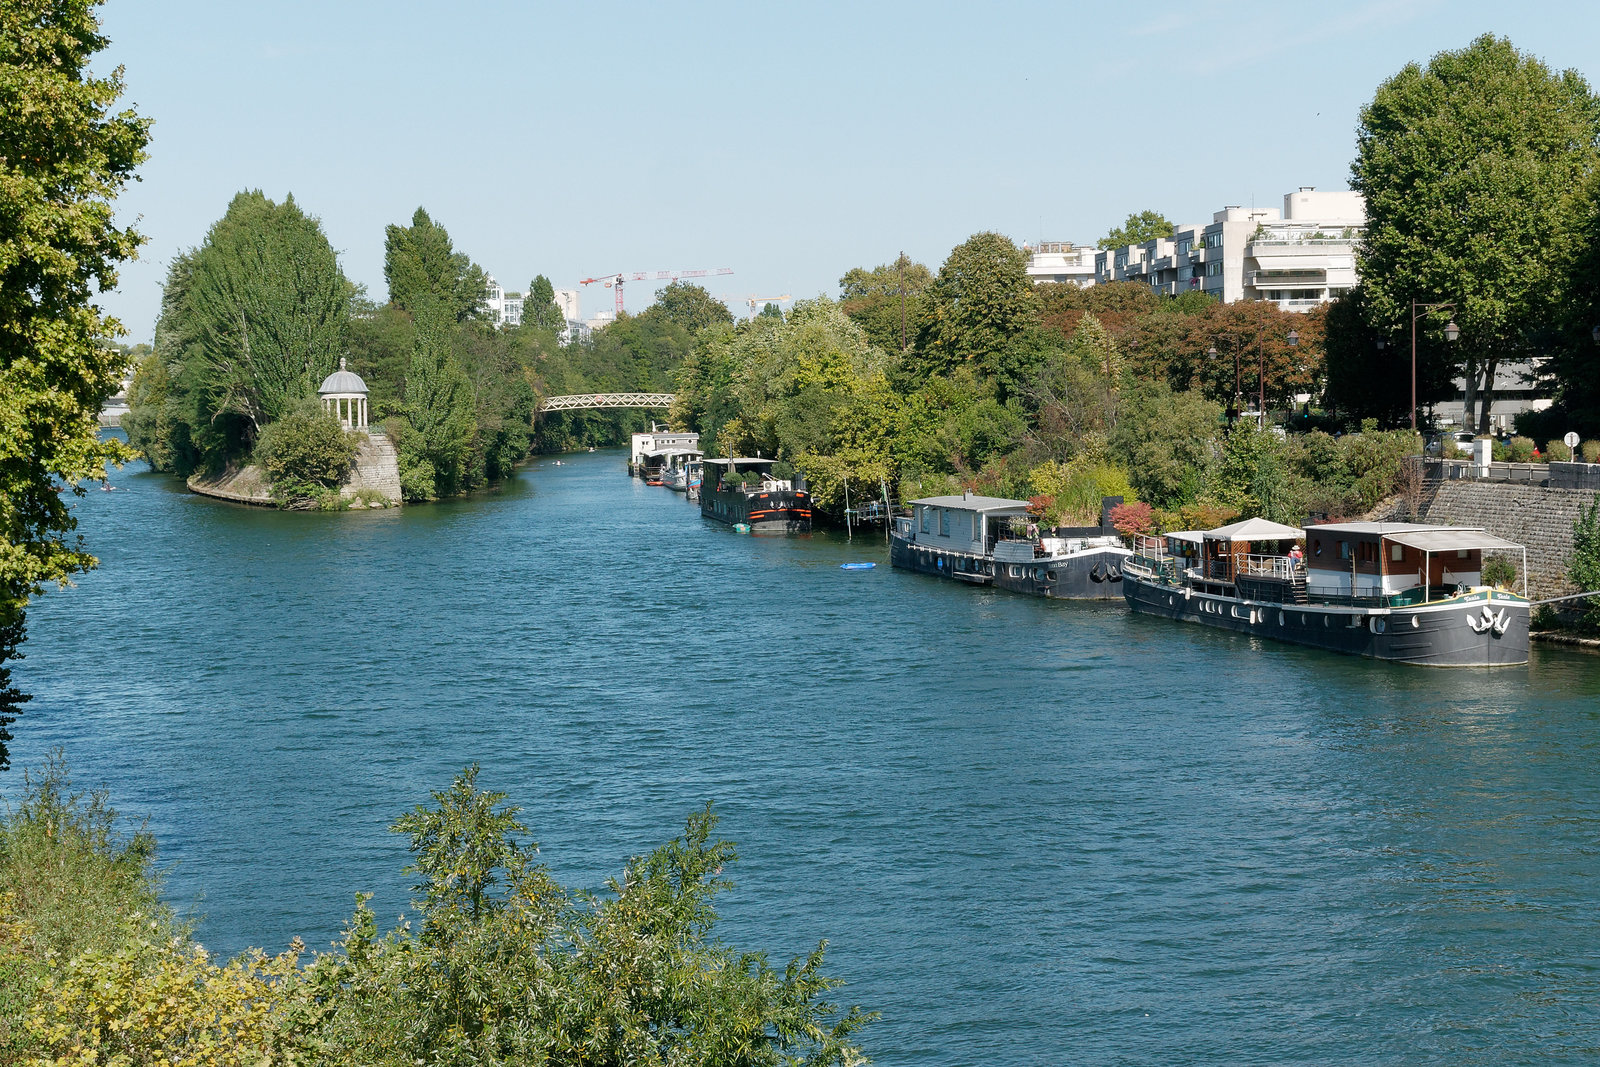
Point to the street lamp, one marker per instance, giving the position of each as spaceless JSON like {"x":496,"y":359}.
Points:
{"x":1451,"y":332}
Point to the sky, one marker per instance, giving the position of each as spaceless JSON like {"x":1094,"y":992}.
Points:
{"x":788,"y":142}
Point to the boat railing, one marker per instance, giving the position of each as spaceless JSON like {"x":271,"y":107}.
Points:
{"x":1334,"y":596}
{"x":1150,"y":547}
{"x":1261,"y":566}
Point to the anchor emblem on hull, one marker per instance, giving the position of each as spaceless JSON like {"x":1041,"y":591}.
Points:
{"x":1487,"y":620}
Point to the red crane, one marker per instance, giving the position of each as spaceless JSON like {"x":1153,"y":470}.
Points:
{"x":614,"y":281}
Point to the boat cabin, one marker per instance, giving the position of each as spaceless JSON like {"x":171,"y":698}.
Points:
{"x":753,"y":474}
{"x":1387,"y":558}
{"x":966,"y":523}
{"x":659,"y":441}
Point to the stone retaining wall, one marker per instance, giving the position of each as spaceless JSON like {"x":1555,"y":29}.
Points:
{"x":1537,"y":516}
{"x":242,"y":485}
{"x":377,"y":467}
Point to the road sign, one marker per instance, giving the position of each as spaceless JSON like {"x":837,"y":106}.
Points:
{"x":1571,"y":440}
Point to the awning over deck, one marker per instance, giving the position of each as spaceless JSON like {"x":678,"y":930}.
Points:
{"x":1255,"y":530}
{"x":1452,"y":540}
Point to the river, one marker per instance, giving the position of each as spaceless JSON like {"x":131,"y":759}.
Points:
{"x":1033,"y":832}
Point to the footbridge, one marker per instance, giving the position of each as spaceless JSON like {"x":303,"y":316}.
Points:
{"x":598,"y":401}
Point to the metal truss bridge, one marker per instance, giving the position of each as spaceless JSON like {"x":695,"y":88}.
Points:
{"x":591,"y":401}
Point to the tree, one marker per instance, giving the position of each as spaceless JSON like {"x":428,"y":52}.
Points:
{"x":264,"y":309}
{"x":539,"y":308}
{"x":510,"y":967}
{"x":691,"y":307}
{"x":981,"y":300}
{"x":1164,"y":438}
{"x":435,"y":451}
{"x":1584,"y":568}
{"x":304,"y":453}
{"x":1473,"y":169}
{"x":420,"y":265}
{"x":64,"y":158}
{"x":885,"y":299}
{"x":1139,"y":227}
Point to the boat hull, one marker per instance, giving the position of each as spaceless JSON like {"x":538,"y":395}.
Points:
{"x":1456,"y":633}
{"x":774,"y":511}
{"x":1093,"y":574}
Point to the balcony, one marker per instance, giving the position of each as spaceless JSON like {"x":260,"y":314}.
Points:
{"x":1286,"y":279}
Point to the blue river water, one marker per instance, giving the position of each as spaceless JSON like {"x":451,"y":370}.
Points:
{"x":1033,"y":832}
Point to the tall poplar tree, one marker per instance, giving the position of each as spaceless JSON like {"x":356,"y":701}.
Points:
{"x":421,"y":265}
{"x":65,"y":155}
{"x":1473,"y":168}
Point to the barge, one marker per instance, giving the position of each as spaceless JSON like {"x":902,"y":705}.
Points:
{"x":646,"y":449}
{"x":984,"y":540}
{"x":743,"y":491}
{"x":1403,"y":592}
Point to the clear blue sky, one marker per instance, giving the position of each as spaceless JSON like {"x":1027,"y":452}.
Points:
{"x":789,"y":142}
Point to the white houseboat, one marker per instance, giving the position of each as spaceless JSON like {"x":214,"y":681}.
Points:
{"x":985,"y":540}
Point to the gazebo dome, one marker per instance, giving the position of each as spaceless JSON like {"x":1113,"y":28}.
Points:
{"x":343,"y":383}
{"x":344,"y":396}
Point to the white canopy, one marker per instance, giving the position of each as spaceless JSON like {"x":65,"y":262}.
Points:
{"x":1255,"y":530}
{"x":1452,"y":540}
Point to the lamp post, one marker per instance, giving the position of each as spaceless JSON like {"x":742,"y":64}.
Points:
{"x":1451,"y":332}
{"x":1261,"y":377}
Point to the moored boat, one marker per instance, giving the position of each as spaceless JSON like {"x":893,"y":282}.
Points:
{"x":646,"y":449}
{"x":984,"y":540}
{"x":1395,"y":591}
{"x":675,"y":468}
{"x":743,"y":491}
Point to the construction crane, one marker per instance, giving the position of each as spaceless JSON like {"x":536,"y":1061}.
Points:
{"x":615,"y":281}
{"x":762,"y":301}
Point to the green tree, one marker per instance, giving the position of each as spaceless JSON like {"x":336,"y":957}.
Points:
{"x":1473,"y":169}
{"x":1584,"y":568}
{"x":885,"y":299}
{"x":509,"y":967}
{"x":981,"y":301}
{"x":420,"y":265}
{"x":263,"y":312}
{"x":691,"y":307}
{"x":435,"y":450}
{"x":1164,"y":438}
{"x":1139,"y":227}
{"x":539,"y":307}
{"x":64,"y":158}
{"x":305,"y":453}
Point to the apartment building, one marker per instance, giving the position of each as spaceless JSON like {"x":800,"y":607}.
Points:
{"x":500,"y":307}
{"x":1300,"y":256}
{"x":1060,"y":261}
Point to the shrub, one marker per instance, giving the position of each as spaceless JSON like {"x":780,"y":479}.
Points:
{"x":1555,"y":450}
{"x":1584,"y":568}
{"x":1133,"y":519}
{"x":1590,"y":451}
{"x":1498,"y":570}
{"x":303,"y":453}
{"x":1521,"y":449}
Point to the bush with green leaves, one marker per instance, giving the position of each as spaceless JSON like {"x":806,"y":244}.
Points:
{"x":1584,"y":566}
{"x":305,"y":454}
{"x":507,"y":966}
{"x":1521,"y":449}
{"x":1590,"y":451}
{"x":1498,"y":570}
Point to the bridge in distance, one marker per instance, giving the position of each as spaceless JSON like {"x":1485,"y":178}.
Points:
{"x":597,"y":401}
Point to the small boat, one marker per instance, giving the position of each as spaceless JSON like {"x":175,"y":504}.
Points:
{"x":1394,"y":591}
{"x":985,"y":540}
{"x":675,"y":468}
{"x":857,"y":566}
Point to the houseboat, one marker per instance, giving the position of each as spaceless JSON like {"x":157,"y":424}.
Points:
{"x":646,"y":449}
{"x":1394,"y":591}
{"x":985,"y":540}
{"x":745,"y":491}
{"x":675,"y":468}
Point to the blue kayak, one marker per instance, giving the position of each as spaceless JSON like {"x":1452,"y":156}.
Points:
{"x":857,"y":566}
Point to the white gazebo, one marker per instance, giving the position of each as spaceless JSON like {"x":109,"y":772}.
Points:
{"x":344,"y":396}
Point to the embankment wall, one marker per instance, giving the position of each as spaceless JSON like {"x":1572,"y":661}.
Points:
{"x":376,"y":467}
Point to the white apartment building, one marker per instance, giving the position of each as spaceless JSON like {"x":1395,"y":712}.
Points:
{"x":1299,"y":257}
{"x":1061,"y":261}
{"x":501,"y":307}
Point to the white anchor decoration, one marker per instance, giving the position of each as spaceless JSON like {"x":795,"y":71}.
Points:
{"x":1488,"y":620}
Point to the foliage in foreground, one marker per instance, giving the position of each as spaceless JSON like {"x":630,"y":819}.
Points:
{"x":65,"y":155}
{"x":502,"y":966}
{"x":1584,"y":568}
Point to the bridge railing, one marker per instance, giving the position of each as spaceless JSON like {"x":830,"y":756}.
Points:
{"x":590,"y":401}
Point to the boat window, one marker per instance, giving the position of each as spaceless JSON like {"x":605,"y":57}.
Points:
{"x":1316,"y":546}
{"x":1344,"y":549}
{"x":1397,"y":553}
{"x":1016,"y":571}
{"x":1461,"y":553}
{"x":1050,"y":575}
{"x":944,"y":522}
{"x":927,"y":520}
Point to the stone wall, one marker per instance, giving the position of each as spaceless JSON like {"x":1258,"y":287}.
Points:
{"x":242,"y":485}
{"x":1536,"y":516}
{"x":1575,"y":475}
{"x":377,"y":467}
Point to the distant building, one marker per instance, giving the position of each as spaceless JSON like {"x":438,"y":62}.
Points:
{"x":501,"y":307}
{"x":1299,"y":257}
{"x":1061,"y":261}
